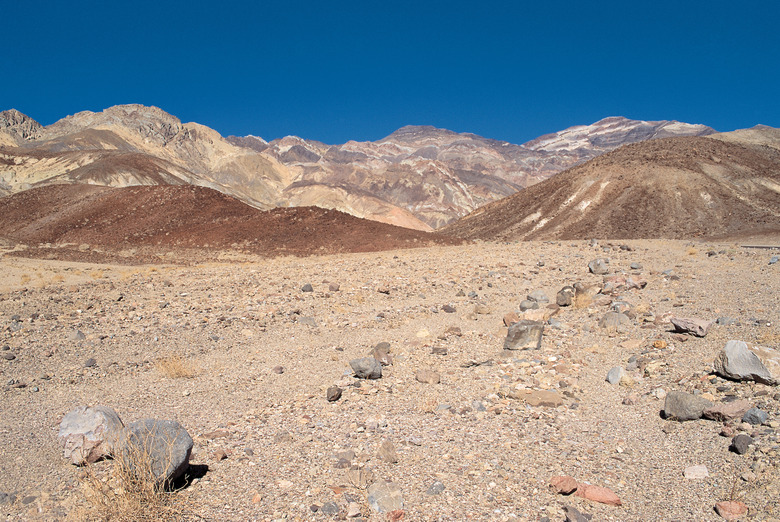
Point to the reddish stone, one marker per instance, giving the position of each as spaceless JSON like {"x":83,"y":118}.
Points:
{"x":731,"y":509}
{"x":598,"y":494}
{"x":563,"y":484}
{"x":396,"y":515}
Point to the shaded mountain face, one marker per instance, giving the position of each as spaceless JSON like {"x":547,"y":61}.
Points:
{"x":418,"y":177}
{"x":165,"y":217}
{"x":723,"y":185}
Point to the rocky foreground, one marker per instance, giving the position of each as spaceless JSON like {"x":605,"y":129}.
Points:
{"x":592,"y":422}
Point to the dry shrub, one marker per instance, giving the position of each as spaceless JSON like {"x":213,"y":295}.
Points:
{"x":691,"y":251}
{"x":58,"y":278}
{"x":97,"y":274}
{"x":127,"y":492}
{"x":175,"y":367}
{"x":26,"y":278}
{"x":428,"y":405}
{"x":582,"y":300}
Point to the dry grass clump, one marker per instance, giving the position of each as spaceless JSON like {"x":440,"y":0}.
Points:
{"x":582,"y":300}
{"x":174,"y":367}
{"x":691,"y":251}
{"x":127,"y":492}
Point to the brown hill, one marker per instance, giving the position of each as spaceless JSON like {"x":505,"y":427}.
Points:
{"x":181,"y":217}
{"x":681,"y":187}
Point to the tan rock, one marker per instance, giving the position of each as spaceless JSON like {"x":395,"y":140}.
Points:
{"x":548,"y":398}
{"x":511,"y":318}
{"x":428,"y":376}
{"x":563,"y":484}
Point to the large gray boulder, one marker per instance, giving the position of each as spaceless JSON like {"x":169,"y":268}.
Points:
{"x":89,"y":433}
{"x":598,"y":266}
{"x":741,"y":362}
{"x":155,"y":450}
{"x":366,"y":368}
{"x":524,"y":335}
{"x":683,"y":406}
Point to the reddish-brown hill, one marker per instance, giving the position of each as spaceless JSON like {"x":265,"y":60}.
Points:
{"x":685,"y":187}
{"x":168,"y":216}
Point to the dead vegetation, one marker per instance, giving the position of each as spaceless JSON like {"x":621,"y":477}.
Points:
{"x":175,"y":367}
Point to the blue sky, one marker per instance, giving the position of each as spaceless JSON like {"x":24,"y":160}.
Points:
{"x":334,"y":71}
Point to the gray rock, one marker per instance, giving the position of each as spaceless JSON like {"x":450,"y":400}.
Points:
{"x":755,"y":416}
{"x":615,"y":374}
{"x":7,"y":498}
{"x":437,"y":488}
{"x":88,"y":434}
{"x":692,"y":326}
{"x":307,"y":288}
{"x":528,"y":305}
{"x":366,"y":368}
{"x":741,"y":362}
{"x":478,"y":406}
{"x":598,"y":266}
{"x":635,"y":266}
{"x":726,"y":321}
{"x":449,"y":309}
{"x":8,"y":356}
{"x":385,"y":496}
{"x":538,"y":296}
{"x":334,"y":287}
{"x":741,"y":443}
{"x":774,"y":260}
{"x":76,"y":335}
{"x":614,"y":321}
{"x":524,"y":335}
{"x":155,"y":450}
{"x":565,"y":296}
{"x":683,"y":406}
{"x":329,"y":508}
{"x":333,"y":394}
{"x":90,"y":363}
{"x":574,"y":515}
{"x":387,"y":452}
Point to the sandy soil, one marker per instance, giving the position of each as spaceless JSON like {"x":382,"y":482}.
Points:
{"x":235,"y":323}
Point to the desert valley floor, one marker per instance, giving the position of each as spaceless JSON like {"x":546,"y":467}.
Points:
{"x":261,"y":354}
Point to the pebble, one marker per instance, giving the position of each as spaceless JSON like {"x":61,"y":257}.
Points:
{"x":385,"y":496}
{"x":334,"y":393}
{"x":387,"y":452}
{"x":563,"y":484}
{"x":427,"y":376}
{"x":741,"y":443}
{"x":755,"y":416}
{"x":9,"y":356}
{"x":598,"y":266}
{"x":615,"y":374}
{"x":329,"y":508}
{"x":307,"y":288}
{"x":574,"y":515}
{"x":696,"y":472}
{"x":435,"y":489}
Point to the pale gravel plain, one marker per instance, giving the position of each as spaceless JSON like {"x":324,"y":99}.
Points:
{"x":235,"y":322}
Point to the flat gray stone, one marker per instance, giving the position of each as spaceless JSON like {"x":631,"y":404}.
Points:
{"x":741,"y":443}
{"x":155,"y":450}
{"x":614,"y":321}
{"x":727,"y":411}
{"x":366,"y":368}
{"x":524,"y":335}
{"x":385,"y":496}
{"x":691,"y":325}
{"x":88,"y":434}
{"x":755,"y":416}
{"x":538,"y":296}
{"x":437,"y":488}
{"x":741,"y":362}
{"x":683,"y":406}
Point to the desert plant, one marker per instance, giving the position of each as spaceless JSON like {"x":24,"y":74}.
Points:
{"x":175,"y":367}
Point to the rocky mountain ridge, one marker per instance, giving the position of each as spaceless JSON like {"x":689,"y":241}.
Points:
{"x":418,"y":177}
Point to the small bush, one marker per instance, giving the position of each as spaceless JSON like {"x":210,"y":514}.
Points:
{"x":174,"y":367}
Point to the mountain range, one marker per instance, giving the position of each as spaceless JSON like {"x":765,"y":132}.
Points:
{"x":418,"y":177}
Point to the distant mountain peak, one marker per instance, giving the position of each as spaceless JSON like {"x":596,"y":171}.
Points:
{"x":19,"y":124}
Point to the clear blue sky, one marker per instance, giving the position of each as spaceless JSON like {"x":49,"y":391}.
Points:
{"x":335,"y":71}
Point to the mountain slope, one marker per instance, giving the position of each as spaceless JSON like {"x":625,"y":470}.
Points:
{"x":667,"y":188}
{"x":419,"y":176}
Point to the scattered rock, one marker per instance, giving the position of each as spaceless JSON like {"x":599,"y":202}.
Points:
{"x":8,"y":356}
{"x":565,"y":296}
{"x":278,"y":370}
{"x":727,"y":411}
{"x":528,"y":305}
{"x":387,"y":452}
{"x":76,"y":335}
{"x":683,"y":406}
{"x":366,"y":368}
{"x":511,"y":318}
{"x":448,"y":309}
{"x":385,"y":496}
{"x":547,"y":398}
{"x":88,"y":434}
{"x":7,"y":498}
{"x":381,"y":352}
{"x":615,"y":374}
{"x":329,"y":508}
{"x":538,"y":296}
{"x":614,"y":321}
{"x":156,"y":450}
{"x":741,"y":443}
{"x":428,"y":376}
{"x":696,"y":472}
{"x":755,"y":416}
{"x":307,"y":288}
{"x":574,"y":515}
{"x":524,"y":335}
{"x":635,"y":266}
{"x":598,"y":266}
{"x":360,"y":477}
{"x":598,"y":494}
{"x":334,"y":287}
{"x":334,"y":393}
{"x":742,"y":362}
{"x":353,"y":510}
{"x":563,"y":484}
{"x":774,"y":259}
{"x":731,"y":509}
{"x":90,"y":363}
{"x":692,"y":326}
{"x":437,"y":488}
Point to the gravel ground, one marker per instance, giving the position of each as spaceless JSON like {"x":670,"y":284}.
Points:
{"x":263,"y":354}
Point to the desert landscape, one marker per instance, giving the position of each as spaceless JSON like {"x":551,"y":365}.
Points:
{"x":561,"y":353}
